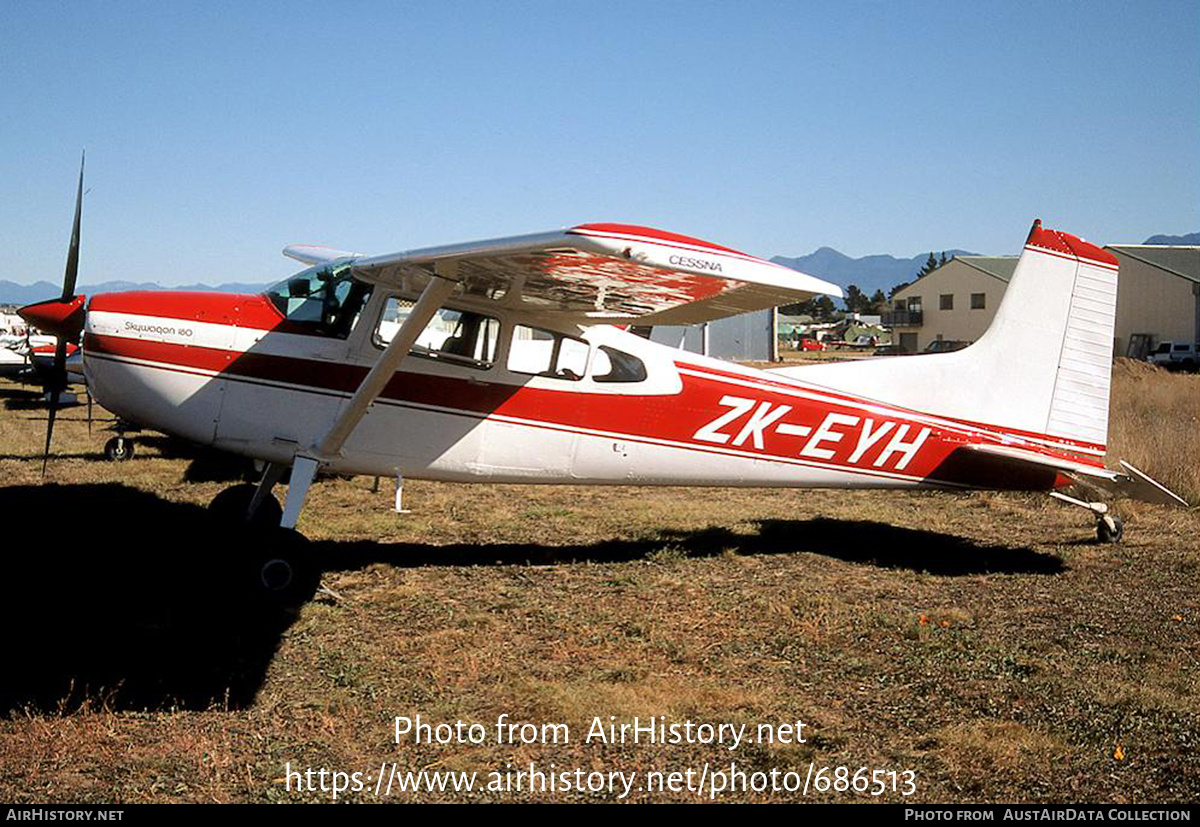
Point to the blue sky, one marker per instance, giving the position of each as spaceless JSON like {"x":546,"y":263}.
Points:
{"x":218,"y":132}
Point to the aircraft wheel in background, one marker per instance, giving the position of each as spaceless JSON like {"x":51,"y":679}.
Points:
{"x":118,"y":449}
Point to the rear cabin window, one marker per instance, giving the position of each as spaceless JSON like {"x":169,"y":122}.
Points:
{"x":460,"y":336}
{"x":324,"y":300}
{"x":546,"y":353}
{"x":612,"y":365}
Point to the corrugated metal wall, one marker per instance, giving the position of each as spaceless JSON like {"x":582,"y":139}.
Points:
{"x":744,"y":338}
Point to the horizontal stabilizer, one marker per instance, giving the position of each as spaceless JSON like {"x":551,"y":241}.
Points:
{"x":1138,"y":486}
{"x":1007,"y":467}
{"x":1064,"y":464}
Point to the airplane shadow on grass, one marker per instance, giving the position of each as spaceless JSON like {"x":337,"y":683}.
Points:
{"x":854,"y":541}
{"x":124,"y":600}
{"x":127,"y":601}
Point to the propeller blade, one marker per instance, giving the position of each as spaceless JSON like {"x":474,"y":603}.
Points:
{"x":72,"y":271}
{"x":56,"y":383}
{"x":88,"y":391}
{"x":49,"y":432}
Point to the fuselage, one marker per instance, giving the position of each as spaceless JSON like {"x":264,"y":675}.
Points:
{"x":527,"y":401}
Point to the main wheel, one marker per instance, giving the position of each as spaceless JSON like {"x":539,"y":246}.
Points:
{"x":1109,"y":533}
{"x":282,"y":571}
{"x":118,"y":449}
{"x":233,"y":504}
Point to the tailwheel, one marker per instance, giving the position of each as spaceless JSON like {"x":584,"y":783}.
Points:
{"x":1109,"y":528}
{"x":118,"y":449}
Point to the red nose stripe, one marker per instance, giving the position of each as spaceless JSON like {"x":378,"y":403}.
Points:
{"x":58,"y":317}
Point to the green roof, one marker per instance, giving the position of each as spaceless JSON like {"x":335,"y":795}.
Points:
{"x":1180,"y":261}
{"x":1000,"y":267}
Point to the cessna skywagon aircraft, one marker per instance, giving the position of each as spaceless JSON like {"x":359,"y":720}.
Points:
{"x":505,"y":361}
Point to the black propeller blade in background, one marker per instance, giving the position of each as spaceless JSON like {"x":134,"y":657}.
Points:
{"x":57,"y":382}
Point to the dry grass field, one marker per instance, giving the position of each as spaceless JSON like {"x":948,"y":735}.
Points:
{"x":983,"y":641}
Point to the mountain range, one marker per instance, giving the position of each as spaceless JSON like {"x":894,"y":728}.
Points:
{"x":22,"y":294}
{"x":883,"y":272}
{"x":869,"y":273}
{"x":1191,"y":239}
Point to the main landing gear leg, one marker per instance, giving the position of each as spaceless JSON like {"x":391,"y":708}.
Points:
{"x":1109,"y":528}
{"x":304,"y":469}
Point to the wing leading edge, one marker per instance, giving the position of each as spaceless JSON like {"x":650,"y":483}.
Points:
{"x":605,"y":272}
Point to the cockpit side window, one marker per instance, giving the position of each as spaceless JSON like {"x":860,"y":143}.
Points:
{"x":325,"y":300}
{"x":546,"y":353}
{"x":612,"y":365}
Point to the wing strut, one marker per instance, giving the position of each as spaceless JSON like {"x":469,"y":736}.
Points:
{"x":306,"y":463}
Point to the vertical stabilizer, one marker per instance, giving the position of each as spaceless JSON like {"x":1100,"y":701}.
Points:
{"x":1042,"y":368}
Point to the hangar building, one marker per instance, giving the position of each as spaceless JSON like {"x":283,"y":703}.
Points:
{"x":1158,"y":296}
{"x":1158,"y":299}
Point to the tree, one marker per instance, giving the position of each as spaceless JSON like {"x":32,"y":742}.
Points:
{"x":933,"y":263}
{"x":856,"y":299}
{"x":892,"y":293}
{"x":878,"y":302}
{"x":823,"y":305}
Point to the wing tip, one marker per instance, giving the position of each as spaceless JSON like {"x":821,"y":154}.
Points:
{"x":315,"y":253}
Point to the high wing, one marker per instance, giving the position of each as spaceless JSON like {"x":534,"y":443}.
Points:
{"x":604,"y":272}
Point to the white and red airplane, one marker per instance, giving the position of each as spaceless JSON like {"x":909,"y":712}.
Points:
{"x":505,"y":361}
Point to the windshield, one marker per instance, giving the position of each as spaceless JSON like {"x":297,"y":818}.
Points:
{"x":325,"y":298}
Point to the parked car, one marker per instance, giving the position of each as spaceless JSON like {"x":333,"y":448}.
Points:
{"x":945,"y":345}
{"x":1181,"y":355}
{"x":809,"y":343}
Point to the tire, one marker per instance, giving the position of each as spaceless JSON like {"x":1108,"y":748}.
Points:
{"x":118,"y":449}
{"x":282,"y":572}
{"x":233,"y":503}
{"x":275,"y":567}
{"x":1110,"y":534}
